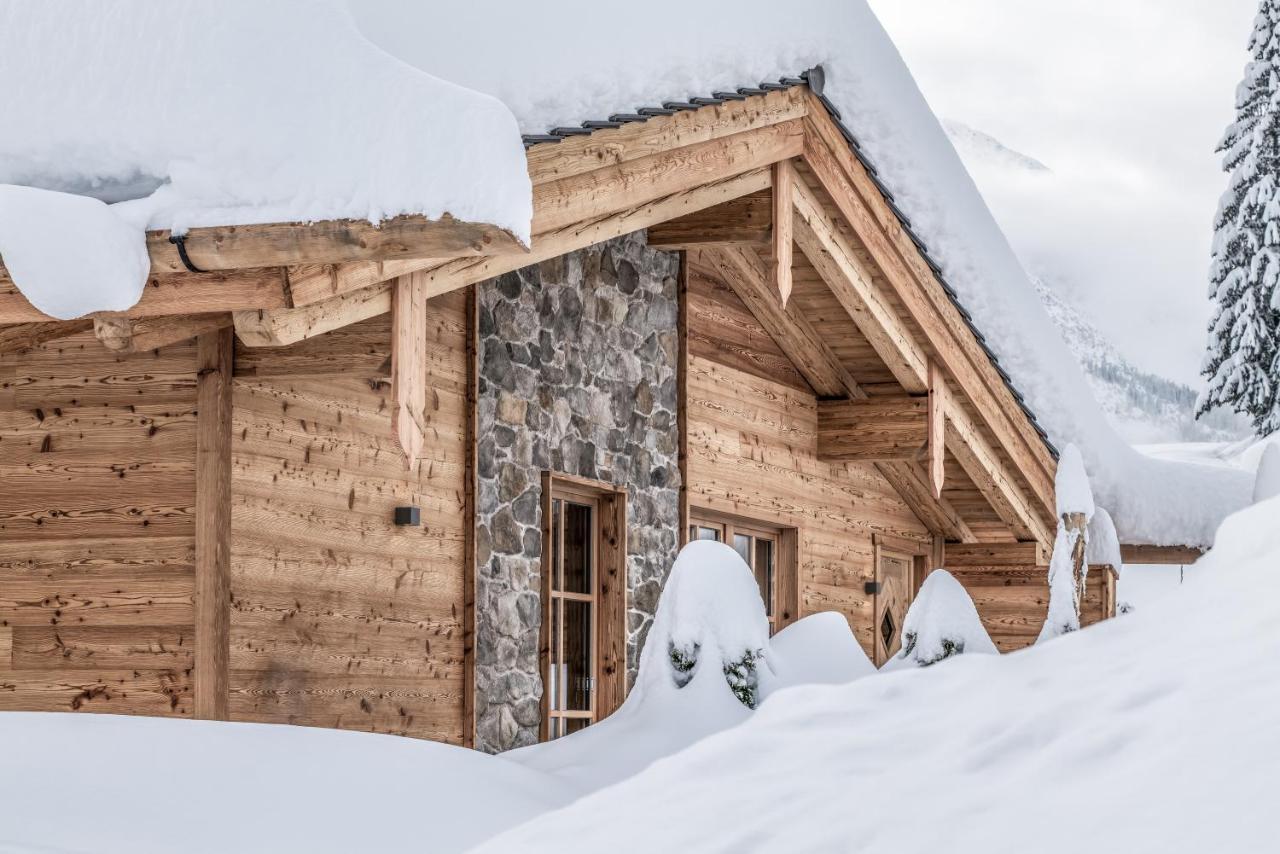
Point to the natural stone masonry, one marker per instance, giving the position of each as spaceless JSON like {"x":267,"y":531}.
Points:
{"x":577,"y":375}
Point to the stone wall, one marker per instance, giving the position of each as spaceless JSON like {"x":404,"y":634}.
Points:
{"x":577,"y":375}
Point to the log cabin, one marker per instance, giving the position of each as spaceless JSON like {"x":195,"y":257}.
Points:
{"x":421,"y":479}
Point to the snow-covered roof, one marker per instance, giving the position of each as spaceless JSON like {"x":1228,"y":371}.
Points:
{"x":313,"y":122}
{"x":184,"y":114}
{"x":601,"y":65}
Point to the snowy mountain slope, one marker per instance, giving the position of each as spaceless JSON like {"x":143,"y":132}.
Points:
{"x":1144,"y":407}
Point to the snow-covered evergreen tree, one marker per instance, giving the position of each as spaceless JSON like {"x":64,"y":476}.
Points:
{"x":1243,"y":359}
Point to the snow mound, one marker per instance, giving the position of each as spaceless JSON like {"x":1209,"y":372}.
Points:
{"x":819,"y":649}
{"x":941,"y":623}
{"x":108,"y":784}
{"x":1103,"y":545}
{"x":185,"y":114}
{"x":711,"y":612}
{"x":1179,"y":724}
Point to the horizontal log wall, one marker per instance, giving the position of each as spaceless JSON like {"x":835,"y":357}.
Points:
{"x":1013,"y":601}
{"x":97,"y":548}
{"x":340,"y":618}
{"x":752,"y":451}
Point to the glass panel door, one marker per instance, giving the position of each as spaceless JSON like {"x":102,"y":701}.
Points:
{"x":571,"y":610}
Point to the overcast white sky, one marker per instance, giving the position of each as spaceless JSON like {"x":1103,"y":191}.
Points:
{"x":1124,"y":100}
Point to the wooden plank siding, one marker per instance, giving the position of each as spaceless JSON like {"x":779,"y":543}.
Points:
{"x":752,"y":452}
{"x":1012,"y":601}
{"x":97,"y":528}
{"x":339,"y":618}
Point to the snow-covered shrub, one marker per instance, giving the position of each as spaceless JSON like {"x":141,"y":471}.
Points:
{"x":1069,"y":568}
{"x":942,"y":622}
{"x":710,"y":616}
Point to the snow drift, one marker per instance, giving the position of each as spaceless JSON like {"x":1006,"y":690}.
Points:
{"x":692,"y":680}
{"x":1164,"y":737}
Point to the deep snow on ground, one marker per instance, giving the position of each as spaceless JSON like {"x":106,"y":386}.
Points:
{"x":1151,"y":732}
{"x":109,"y":785}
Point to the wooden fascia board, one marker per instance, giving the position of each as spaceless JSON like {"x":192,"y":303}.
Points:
{"x":1162,"y":555}
{"x":860,"y":202}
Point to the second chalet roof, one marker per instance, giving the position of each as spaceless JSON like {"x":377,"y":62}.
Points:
{"x":567,"y":69}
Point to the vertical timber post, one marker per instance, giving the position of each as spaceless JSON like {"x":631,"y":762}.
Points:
{"x":469,"y":521}
{"x":213,"y":525}
{"x":784,"y":177}
{"x":1078,"y":524}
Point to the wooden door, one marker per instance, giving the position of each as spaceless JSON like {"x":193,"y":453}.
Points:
{"x":893,"y":597}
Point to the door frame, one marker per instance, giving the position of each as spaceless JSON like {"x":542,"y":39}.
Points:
{"x":609,"y":614}
{"x":917,"y":554}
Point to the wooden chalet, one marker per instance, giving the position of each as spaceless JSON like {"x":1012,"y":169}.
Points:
{"x":421,"y":479}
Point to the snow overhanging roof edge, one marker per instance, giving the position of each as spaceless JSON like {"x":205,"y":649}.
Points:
{"x":813,"y":78}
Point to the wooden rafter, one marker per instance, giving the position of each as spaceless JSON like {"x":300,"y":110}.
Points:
{"x":281,"y":327}
{"x":746,"y":275}
{"x":912,"y":483}
{"x":409,"y":366}
{"x":784,"y":178}
{"x":865,"y":209}
{"x":129,"y":335}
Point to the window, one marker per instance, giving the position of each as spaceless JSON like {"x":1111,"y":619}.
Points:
{"x":583,"y":628}
{"x":761,"y":548}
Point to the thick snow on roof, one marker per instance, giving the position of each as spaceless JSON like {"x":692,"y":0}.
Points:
{"x":564,"y":63}
{"x":186,"y":114}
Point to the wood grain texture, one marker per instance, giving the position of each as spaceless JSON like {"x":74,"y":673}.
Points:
{"x":878,"y":429}
{"x":339,"y":617}
{"x":782,"y":233}
{"x":214,"y":353}
{"x":744,"y":221}
{"x":1013,"y":601}
{"x":97,"y":530}
{"x":1171,"y":555}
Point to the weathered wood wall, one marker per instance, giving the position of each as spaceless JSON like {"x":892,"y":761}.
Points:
{"x":1013,"y":601}
{"x":340,"y":618}
{"x":752,"y":451}
{"x":97,"y":549}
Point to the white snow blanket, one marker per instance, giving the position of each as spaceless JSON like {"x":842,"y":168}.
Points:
{"x":184,"y":114}
{"x":1132,"y":735}
{"x":593,"y":71}
{"x":941,"y":623}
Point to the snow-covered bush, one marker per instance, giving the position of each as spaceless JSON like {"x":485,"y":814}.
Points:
{"x":942,"y":622}
{"x":1069,"y":568}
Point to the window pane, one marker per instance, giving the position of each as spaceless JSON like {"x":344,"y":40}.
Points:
{"x":764,"y":572}
{"x":557,"y":511}
{"x":742,"y":545}
{"x":575,"y":724}
{"x":556,"y":671}
{"x":578,"y":542}
{"x":578,"y":669}
{"x":704,"y":533}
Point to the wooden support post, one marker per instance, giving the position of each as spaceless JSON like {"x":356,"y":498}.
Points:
{"x":784,"y":179}
{"x":409,"y":366}
{"x":213,"y":525}
{"x":1078,"y":524}
{"x":469,"y":519}
{"x":937,"y":444}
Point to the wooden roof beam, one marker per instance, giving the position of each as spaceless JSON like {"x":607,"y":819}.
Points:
{"x":26,"y":336}
{"x":129,"y":335}
{"x":869,"y":215}
{"x":746,"y":275}
{"x":912,"y":483}
{"x":831,"y":254}
{"x":876,"y":429}
{"x":1161,"y":555}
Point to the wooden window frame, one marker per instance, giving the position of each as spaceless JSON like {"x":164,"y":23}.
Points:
{"x":786,"y":556}
{"x":609,"y":595}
